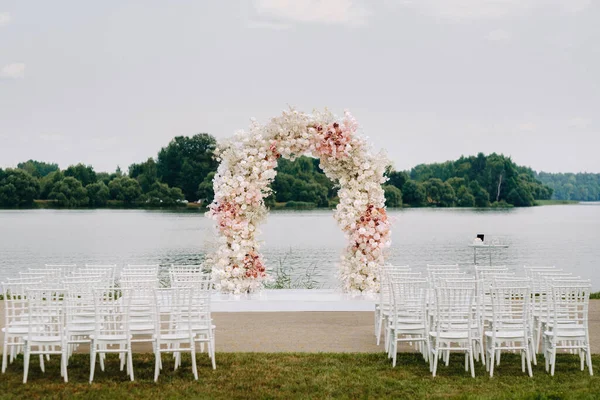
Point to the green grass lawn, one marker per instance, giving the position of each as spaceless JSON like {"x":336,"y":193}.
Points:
{"x":301,"y":375}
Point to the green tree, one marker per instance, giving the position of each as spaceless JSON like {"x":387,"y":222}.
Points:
{"x":393,"y":196}
{"x":125,"y":189}
{"x":69,"y":192}
{"x":205,"y":189}
{"x":104,"y":177}
{"x":520,"y":197}
{"x":186,"y":161}
{"x":414,"y":193}
{"x":47,"y":183}
{"x":456,"y":183}
{"x":83,"y":173}
{"x":397,"y":178}
{"x":161,"y":194}
{"x":17,"y":188}
{"x":38,"y":169}
{"x":98,"y":194}
{"x":481,"y":196}
{"x":464,"y":197}
{"x":439,"y":193}
{"x":146,"y":174}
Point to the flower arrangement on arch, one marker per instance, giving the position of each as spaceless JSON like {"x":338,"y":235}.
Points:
{"x":243,"y":179}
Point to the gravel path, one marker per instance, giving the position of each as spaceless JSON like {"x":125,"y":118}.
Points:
{"x":310,"y":331}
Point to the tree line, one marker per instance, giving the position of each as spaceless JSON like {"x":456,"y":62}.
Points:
{"x":183,"y":171}
{"x":475,"y":181}
{"x":171,"y":179}
{"x":569,"y":186}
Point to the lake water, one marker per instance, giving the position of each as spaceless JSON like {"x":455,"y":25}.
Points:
{"x":567,"y":236}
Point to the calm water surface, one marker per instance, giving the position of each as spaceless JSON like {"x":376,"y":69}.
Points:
{"x":567,"y":236}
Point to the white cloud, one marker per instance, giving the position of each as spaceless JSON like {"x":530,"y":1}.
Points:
{"x":322,"y":11}
{"x":4,"y":18}
{"x":498,"y":35}
{"x":13,"y":71}
{"x":490,"y":9}
{"x":580,"y":123}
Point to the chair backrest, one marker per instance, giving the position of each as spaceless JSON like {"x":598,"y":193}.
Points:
{"x":111,"y":309}
{"x":510,"y":305}
{"x":175,"y":304}
{"x":46,"y":313}
{"x":442,"y":266}
{"x":65,"y":268}
{"x":128,"y":280}
{"x":140,"y":270}
{"x":187,"y":268}
{"x":15,"y":301}
{"x":54,"y":273}
{"x":481,"y":272}
{"x":435,"y":276}
{"x":410,"y":297}
{"x":455,"y":309}
{"x":462,"y":281}
{"x":529,"y":269}
{"x":570,"y":304}
{"x":108,"y":269}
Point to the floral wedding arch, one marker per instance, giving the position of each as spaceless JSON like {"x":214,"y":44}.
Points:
{"x":242,"y":182}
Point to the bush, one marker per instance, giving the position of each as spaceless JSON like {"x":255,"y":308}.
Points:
{"x":69,"y":192}
{"x":17,"y":188}
{"x":300,"y":205}
{"x":393,"y":196}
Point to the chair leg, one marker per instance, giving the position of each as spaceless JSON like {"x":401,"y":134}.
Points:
{"x":4,"y":355}
{"x":378,"y":326}
{"x":528,"y":356}
{"x":156,"y":365}
{"x":26,"y":363}
{"x":588,"y":354}
{"x":435,"y":360}
{"x":101,"y":357}
{"x":130,"y":362}
{"x":211,"y":350}
{"x":553,"y":361}
{"x":193,"y":354}
{"x":92,"y":362}
{"x":532,"y":351}
{"x":63,"y":364}
{"x":472,"y":363}
{"x":492,"y":360}
{"x":42,"y":365}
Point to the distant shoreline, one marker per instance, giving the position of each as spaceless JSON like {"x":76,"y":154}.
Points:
{"x":292,"y":205}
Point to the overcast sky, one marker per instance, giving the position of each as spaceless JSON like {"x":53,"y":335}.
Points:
{"x":109,"y":83}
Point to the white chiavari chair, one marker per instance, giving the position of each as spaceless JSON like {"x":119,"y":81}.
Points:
{"x":408,"y":316}
{"x":111,"y":333}
{"x":16,"y":317}
{"x":173,"y":332}
{"x":510,"y":327}
{"x":45,"y":328}
{"x":453,"y":323}
{"x":567,"y":327}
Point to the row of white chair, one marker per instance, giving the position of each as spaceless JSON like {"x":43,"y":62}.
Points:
{"x":141,"y":310}
{"x":450,"y":310}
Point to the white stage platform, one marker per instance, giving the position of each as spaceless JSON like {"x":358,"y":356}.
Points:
{"x":292,"y":300}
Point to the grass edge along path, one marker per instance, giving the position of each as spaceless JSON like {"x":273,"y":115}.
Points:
{"x":301,"y":375}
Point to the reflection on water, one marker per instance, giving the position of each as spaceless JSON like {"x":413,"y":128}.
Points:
{"x":565,"y":235}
